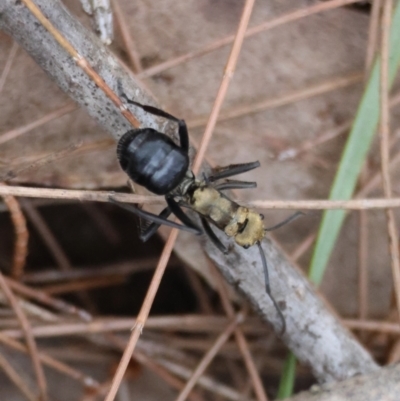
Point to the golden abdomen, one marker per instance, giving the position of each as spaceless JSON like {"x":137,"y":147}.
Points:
{"x":236,"y":221}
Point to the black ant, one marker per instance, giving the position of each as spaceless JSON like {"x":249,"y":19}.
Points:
{"x":154,"y":161}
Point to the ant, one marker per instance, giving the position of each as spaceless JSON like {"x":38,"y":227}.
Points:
{"x":154,"y":161}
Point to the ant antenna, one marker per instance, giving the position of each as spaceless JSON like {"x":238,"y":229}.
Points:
{"x":268,"y":288}
{"x":286,"y":221}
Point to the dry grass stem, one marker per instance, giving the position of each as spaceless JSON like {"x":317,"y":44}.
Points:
{"x":306,"y":146}
{"x":381,"y":327}
{"x":127,"y":39}
{"x":303,"y":247}
{"x":175,"y":352}
{"x":159,"y":272}
{"x":353,"y":204}
{"x":363,"y":266}
{"x":203,"y":300}
{"x":21,"y":236}
{"x":43,"y":298}
{"x":240,"y":338}
{"x":7,"y":67}
{"x":47,"y":236}
{"x":27,"y":330}
{"x":204,"y":381}
{"x":295,"y":96}
{"x":373,"y":34}
{"x":384,"y":129}
{"x":143,"y":315}
{"x":104,"y":223}
{"x":84,"y":272}
{"x":228,"y":74}
{"x":15,"y":377}
{"x":87,"y":381}
{"x":40,"y":162}
{"x":284,"y":19}
{"x":103,"y":196}
{"x":169,"y":378}
{"x":52,"y":244}
{"x":292,"y":152}
{"x":208,"y":357}
{"x":54,"y":115}
{"x":374,"y":182}
{"x":186,"y":323}
{"x":81,"y":195}
{"x":84,"y":285}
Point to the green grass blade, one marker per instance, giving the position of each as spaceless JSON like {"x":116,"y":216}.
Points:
{"x":354,"y":155}
{"x":287,"y":381}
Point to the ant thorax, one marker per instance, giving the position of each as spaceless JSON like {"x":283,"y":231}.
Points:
{"x":183,"y":188}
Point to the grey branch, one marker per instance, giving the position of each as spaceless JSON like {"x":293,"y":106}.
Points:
{"x":313,"y":333}
{"x":379,"y":386}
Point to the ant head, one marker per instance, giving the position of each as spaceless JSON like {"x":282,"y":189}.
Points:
{"x":251,"y":231}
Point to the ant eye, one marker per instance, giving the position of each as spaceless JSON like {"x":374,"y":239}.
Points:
{"x":262,"y":216}
{"x":246,"y":246}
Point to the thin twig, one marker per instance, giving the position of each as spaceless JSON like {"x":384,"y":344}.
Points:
{"x":384,"y":138}
{"x":208,"y":357}
{"x":33,"y":351}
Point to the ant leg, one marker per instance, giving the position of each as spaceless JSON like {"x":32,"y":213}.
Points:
{"x":286,"y":221}
{"x":268,"y":288}
{"x":210,"y":233}
{"x":181,"y":215}
{"x":235,"y":184}
{"x":152,"y":217}
{"x":233,"y":169}
{"x":153,"y":227}
{"x":182,"y":130}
